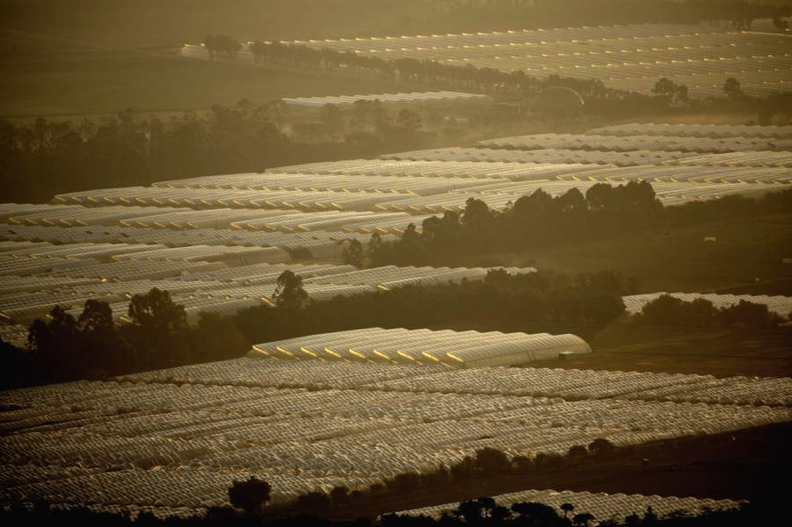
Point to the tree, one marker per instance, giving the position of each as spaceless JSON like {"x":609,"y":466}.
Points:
{"x":602,"y":447}
{"x":670,"y":90}
{"x":101,"y":343}
{"x":567,"y":508}
{"x":157,"y":312}
{"x":216,"y":337}
{"x":353,"y":253}
{"x":314,"y":504}
{"x":158,"y":330}
{"x":409,"y":120}
{"x":289,"y":291}
{"x":96,"y":316}
{"x":222,"y":45}
{"x":583,"y":519}
{"x":250,"y":495}
{"x":535,"y":514}
{"x":56,"y":345}
{"x":333,"y":119}
{"x":492,"y":461}
{"x":473,"y":511}
{"x":577,"y":453}
{"x":733,"y":90}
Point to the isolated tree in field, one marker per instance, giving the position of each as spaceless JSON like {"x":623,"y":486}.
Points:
{"x":250,"y":495}
{"x":733,"y":90}
{"x":157,"y":312}
{"x":289,"y":291}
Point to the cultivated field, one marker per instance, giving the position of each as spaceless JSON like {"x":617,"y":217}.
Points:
{"x":178,"y":438}
{"x":219,"y":242}
{"x":352,"y":409}
{"x":631,"y":57}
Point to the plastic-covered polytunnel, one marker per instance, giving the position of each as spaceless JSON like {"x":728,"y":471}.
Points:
{"x":459,"y":349}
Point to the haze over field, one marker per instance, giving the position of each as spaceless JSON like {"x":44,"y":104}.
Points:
{"x":468,"y":262}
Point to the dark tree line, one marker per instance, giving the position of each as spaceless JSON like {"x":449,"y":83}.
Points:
{"x":481,"y":472}
{"x":667,"y":96}
{"x":587,"y":298}
{"x":474,"y":473}
{"x":667,"y":310}
{"x":46,"y":157}
{"x":65,"y":348}
{"x":540,"y":220}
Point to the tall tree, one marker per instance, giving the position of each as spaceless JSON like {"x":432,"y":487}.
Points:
{"x":289,"y":291}
{"x":250,"y":495}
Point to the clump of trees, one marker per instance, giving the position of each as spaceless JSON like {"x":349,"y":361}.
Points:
{"x":251,"y":496}
{"x":222,"y":47}
{"x":584,"y":298}
{"x":534,"y":220}
{"x":667,"y":310}
{"x":64,"y":348}
{"x":540,"y":220}
{"x":477,"y":473}
{"x":48,"y":157}
{"x":667,"y":97}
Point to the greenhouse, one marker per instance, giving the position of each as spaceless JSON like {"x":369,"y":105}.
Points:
{"x":312,"y":425}
{"x":627,"y":57}
{"x":467,"y":349}
{"x":428,"y":97}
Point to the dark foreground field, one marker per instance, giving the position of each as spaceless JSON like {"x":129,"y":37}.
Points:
{"x":715,"y":352}
{"x":747,"y":254}
{"x":745,"y":465}
{"x":626,"y":346}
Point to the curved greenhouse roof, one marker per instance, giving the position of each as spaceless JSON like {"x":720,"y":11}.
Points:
{"x":466,"y":349}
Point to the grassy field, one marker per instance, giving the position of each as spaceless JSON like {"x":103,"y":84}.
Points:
{"x":96,"y":82}
{"x":747,"y":252}
{"x":135,"y":23}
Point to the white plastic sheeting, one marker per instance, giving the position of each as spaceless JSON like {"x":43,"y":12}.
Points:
{"x":219,"y":279}
{"x":312,"y":425}
{"x":465,"y":349}
{"x":638,"y":142}
{"x":426,"y":97}
{"x":714,"y":131}
{"x":628,"y":57}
